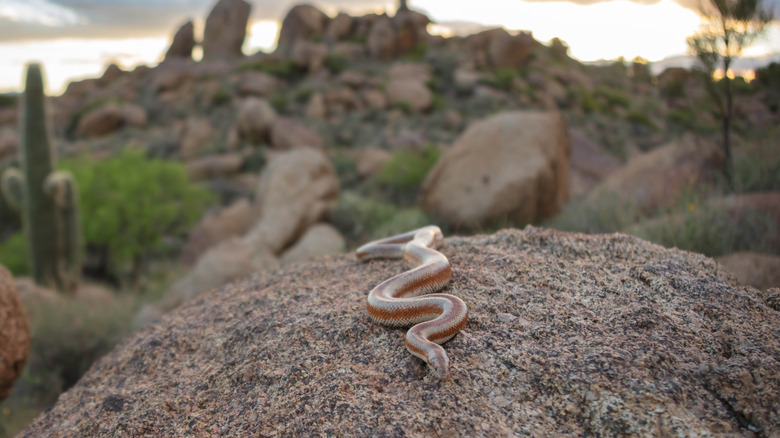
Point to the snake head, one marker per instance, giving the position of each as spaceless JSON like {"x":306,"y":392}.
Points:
{"x":440,"y":365}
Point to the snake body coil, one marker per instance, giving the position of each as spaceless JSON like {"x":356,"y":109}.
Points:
{"x":435,"y":317}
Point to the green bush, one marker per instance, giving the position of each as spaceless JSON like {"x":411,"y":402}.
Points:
{"x":279,"y":100}
{"x":502,"y":79}
{"x":13,"y":255}
{"x":8,"y":100}
{"x":360,"y":219}
{"x":286,"y":69}
{"x":336,"y":63}
{"x":221,"y":97}
{"x":641,"y":119}
{"x":757,"y":164}
{"x":130,"y":203}
{"x":710,"y":230}
{"x":613,"y":97}
{"x":400,"y":178}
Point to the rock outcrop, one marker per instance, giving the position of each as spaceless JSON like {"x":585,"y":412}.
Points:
{"x":14,"y":334}
{"x":183,"y":43}
{"x":568,"y":334}
{"x":658,"y":178}
{"x":301,"y":23}
{"x":225,"y":30}
{"x":512,"y":166}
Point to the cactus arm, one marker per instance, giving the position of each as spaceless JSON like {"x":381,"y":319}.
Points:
{"x":61,"y":187}
{"x":12,"y":188}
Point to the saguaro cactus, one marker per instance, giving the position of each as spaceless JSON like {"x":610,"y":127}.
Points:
{"x":47,"y":199}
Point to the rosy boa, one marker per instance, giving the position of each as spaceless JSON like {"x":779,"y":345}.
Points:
{"x":435,"y":318}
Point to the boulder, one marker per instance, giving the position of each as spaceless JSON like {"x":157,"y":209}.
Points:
{"x":339,"y":28}
{"x":309,"y":55}
{"x":319,"y":240}
{"x":212,"y":166}
{"x":761,"y":271}
{"x":568,"y":335}
{"x":409,"y":93}
{"x":9,"y":143}
{"x":497,"y":48}
{"x":590,"y":164}
{"x":287,"y":133}
{"x":198,"y":134}
{"x":101,"y":121}
{"x":183,"y":43}
{"x":370,"y":161}
{"x":315,"y":108}
{"x":255,"y":83}
{"x":374,"y":99}
{"x":297,"y":189}
{"x":656,"y":179}
{"x":416,"y":71}
{"x":14,"y":334}
{"x":231,"y":221}
{"x":225,"y":30}
{"x":301,"y":23}
{"x":382,"y":40}
{"x":254,"y":119}
{"x":511,"y":166}
{"x":410,"y":29}
{"x":134,"y":115}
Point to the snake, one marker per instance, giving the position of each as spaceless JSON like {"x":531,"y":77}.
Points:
{"x":408,"y":299}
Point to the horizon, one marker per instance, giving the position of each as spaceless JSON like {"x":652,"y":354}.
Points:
{"x":74,"y":44}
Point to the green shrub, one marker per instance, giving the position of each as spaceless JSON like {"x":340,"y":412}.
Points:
{"x":587,"y":101}
{"x":757,"y":164}
{"x":419,"y":51}
{"x":336,"y":63}
{"x":673,"y":89}
{"x":710,"y":230}
{"x":130,"y":203}
{"x":502,"y":79}
{"x":360,"y":219}
{"x":641,"y":119}
{"x":279,"y":101}
{"x":14,"y":255}
{"x":221,"y":97}
{"x":400,"y":178}
{"x":282,"y":68}
{"x":613,"y":97}
{"x":8,"y":100}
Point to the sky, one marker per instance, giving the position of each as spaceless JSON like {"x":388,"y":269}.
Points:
{"x":75,"y":39}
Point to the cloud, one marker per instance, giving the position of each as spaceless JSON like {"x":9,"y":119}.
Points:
{"x":39,"y":12}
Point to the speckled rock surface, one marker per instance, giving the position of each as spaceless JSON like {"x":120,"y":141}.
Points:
{"x":568,"y":334}
{"x":14,"y":334}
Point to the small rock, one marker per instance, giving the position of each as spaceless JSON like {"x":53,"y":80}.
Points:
{"x":254,"y":119}
{"x":215,"y":165}
{"x":288,"y":133}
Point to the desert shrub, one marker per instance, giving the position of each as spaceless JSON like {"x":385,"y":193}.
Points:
{"x":13,"y":254}
{"x":68,"y":335}
{"x":8,"y":100}
{"x":673,"y":89}
{"x":710,"y":230}
{"x":279,"y":100}
{"x":586,"y":100}
{"x":612,"y":97}
{"x":604,"y":213}
{"x":641,"y":119}
{"x":418,"y":52}
{"x":502,"y":79}
{"x":286,"y":69}
{"x":400,"y":177}
{"x":346,"y":169}
{"x":360,"y":219}
{"x":757,"y":164}
{"x":768,"y":79}
{"x":129,"y":203}
{"x":336,"y":63}
{"x":221,"y":97}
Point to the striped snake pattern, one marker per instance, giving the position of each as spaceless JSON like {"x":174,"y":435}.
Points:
{"x":408,"y":299}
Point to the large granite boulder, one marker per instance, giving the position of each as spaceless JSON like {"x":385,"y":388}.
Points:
{"x":656,"y":179}
{"x":568,"y":335}
{"x":382,"y":39}
{"x":183,"y":43}
{"x":225,"y":30}
{"x":511,"y":166}
{"x":497,"y":48}
{"x":301,"y":23}
{"x":14,"y":334}
{"x":254,"y":118}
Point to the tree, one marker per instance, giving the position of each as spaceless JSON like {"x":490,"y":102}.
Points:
{"x":729,"y":27}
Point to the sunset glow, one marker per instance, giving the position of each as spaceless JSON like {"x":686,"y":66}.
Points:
{"x":602,"y":30}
